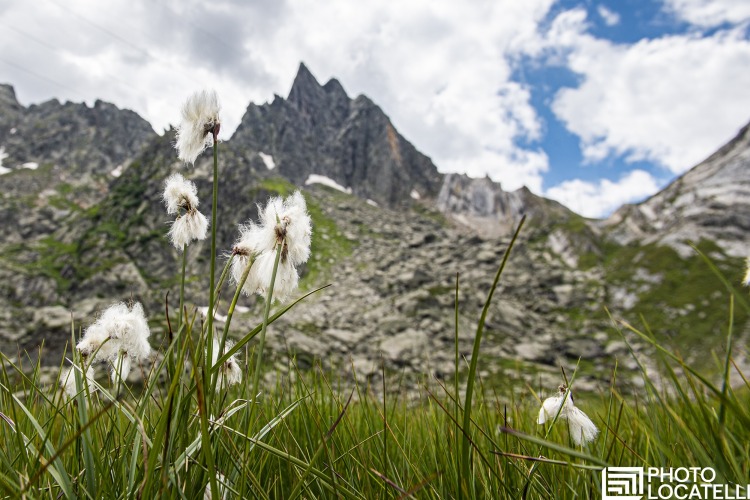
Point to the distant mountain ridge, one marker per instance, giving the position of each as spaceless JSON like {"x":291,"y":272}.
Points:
{"x":93,"y":139}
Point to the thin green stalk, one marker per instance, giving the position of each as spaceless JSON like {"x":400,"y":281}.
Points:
{"x":725,"y":382}
{"x":230,"y":312}
{"x":182,"y":288}
{"x":266,"y":312}
{"x":209,"y":343}
{"x":261,"y":345}
{"x":456,"y":389}
{"x":212,"y":274}
{"x":466,"y":445}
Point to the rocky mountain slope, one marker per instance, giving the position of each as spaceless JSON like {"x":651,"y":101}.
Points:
{"x":87,"y":227}
{"x":711,"y":201}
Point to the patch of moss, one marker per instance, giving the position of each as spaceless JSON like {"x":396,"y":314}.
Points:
{"x":277,"y":185}
{"x":429,"y":213}
{"x":328,"y":246}
{"x":683,"y":303}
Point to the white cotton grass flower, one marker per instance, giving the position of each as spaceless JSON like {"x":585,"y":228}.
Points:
{"x":181,"y":199}
{"x":259,"y":279}
{"x":199,"y":126}
{"x":188,"y":227}
{"x":289,"y":221}
{"x":120,"y":368}
{"x":68,"y":381}
{"x":746,"y":280}
{"x":119,"y":336}
{"x":582,"y":429}
{"x":282,"y":221}
{"x":230,"y":372}
{"x":179,"y":193}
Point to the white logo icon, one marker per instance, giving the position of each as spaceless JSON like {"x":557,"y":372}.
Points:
{"x":622,"y":483}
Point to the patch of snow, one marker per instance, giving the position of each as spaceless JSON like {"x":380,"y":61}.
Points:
{"x":241,"y":309}
{"x":327,"y":181}
{"x":31,"y":165}
{"x":415,"y":194}
{"x":268,"y":160}
{"x":117,"y":172}
{"x":3,"y":155}
{"x":218,"y":317}
{"x":373,"y":203}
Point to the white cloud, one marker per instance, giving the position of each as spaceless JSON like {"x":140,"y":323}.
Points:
{"x":672,"y":100}
{"x":610,"y":17}
{"x":440,"y":69}
{"x":599,"y":199}
{"x":708,"y":13}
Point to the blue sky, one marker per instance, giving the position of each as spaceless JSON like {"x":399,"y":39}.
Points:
{"x":594,"y":104}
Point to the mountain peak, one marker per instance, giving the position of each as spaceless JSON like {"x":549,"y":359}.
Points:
{"x":8,"y":96}
{"x":305,"y":86}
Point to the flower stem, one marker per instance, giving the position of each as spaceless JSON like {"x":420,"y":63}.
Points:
{"x":262,"y":342}
{"x":209,"y":337}
{"x":212,"y":275}
{"x":230,"y":312}
{"x":182,"y":287}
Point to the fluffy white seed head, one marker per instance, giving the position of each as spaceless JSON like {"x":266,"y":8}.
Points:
{"x":283,"y":221}
{"x":200,"y":113}
{"x":68,"y":380}
{"x":188,"y":227}
{"x":551,"y":407}
{"x":260,"y":275}
{"x":179,"y":193}
{"x":120,"y":368}
{"x":582,"y":429}
{"x":230,"y":372}
{"x":298,"y":228}
{"x":95,"y":342}
{"x":239,"y":263}
{"x":287,"y":219}
{"x":119,"y":329}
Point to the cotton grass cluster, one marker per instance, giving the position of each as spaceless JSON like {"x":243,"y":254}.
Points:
{"x":119,"y":337}
{"x":284,"y":222}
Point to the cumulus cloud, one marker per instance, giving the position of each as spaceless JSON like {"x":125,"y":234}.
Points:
{"x":601,"y":198}
{"x":610,"y":17}
{"x":709,"y":13}
{"x":656,"y":99}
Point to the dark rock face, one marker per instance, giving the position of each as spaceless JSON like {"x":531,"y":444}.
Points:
{"x":320,"y":130}
{"x":711,"y":201}
{"x":73,"y":136}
